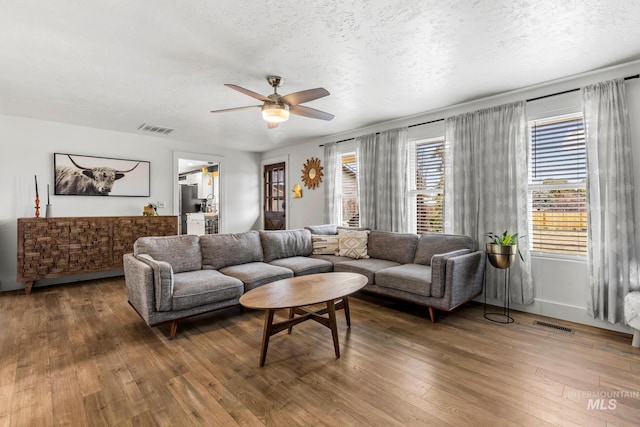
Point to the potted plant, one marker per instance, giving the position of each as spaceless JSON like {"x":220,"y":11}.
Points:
{"x":502,"y":249}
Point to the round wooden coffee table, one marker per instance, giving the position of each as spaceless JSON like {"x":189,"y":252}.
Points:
{"x":297,"y":292}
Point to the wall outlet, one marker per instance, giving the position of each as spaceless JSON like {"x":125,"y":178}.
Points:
{"x":162,"y":205}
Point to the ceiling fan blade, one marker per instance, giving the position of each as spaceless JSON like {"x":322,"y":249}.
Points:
{"x":236,"y":109}
{"x":248,"y":92}
{"x":301,"y":110}
{"x":305,"y":96}
{"x":272,"y":125}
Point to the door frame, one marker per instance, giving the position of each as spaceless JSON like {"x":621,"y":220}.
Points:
{"x":222,"y":183}
{"x":271,"y":161}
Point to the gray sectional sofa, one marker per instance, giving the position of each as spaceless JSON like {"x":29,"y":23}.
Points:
{"x":174,"y":277}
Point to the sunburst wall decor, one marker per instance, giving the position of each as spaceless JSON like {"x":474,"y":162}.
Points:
{"x":312,"y":173}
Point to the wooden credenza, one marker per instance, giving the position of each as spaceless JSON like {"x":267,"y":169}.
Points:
{"x":58,"y":247}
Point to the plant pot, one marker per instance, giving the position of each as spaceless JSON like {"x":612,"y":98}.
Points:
{"x":501,"y":256}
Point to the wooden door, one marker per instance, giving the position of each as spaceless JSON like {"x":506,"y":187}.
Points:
{"x":275,"y":197}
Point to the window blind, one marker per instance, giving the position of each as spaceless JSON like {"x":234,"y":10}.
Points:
{"x":557,"y":186}
{"x":426,"y":196}
{"x":349,"y":191}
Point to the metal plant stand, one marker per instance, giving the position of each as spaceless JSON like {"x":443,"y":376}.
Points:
{"x":503,"y":317}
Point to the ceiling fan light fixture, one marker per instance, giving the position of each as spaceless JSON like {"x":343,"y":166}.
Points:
{"x":276,"y":108}
{"x":275,"y":112}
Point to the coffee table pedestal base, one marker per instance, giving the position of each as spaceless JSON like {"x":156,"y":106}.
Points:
{"x":271,"y":328}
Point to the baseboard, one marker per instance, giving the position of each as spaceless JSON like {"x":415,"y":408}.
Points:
{"x":561,"y":311}
{"x":65,"y":279}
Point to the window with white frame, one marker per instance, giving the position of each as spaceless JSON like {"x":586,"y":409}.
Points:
{"x":426,"y":185}
{"x":557,"y":186}
{"x":350,"y":214}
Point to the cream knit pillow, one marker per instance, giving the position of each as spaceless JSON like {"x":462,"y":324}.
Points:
{"x":325,"y":244}
{"x":353,"y":244}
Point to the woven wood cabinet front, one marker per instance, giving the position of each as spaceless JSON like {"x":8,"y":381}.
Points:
{"x":56,"y":247}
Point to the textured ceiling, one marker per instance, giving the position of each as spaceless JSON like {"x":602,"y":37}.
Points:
{"x":118,"y":64}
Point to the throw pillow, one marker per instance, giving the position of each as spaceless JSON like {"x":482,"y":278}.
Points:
{"x":325,"y":244}
{"x":353,"y":244}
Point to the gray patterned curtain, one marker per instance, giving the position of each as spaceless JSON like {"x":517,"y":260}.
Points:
{"x":382,"y":180}
{"x":366,"y":155}
{"x":486,"y":180}
{"x":612,"y":262}
{"x":331,"y":214}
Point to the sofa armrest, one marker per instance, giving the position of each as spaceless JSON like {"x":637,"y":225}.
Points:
{"x":465,"y":276}
{"x":162,"y":281}
{"x":138,"y":278}
{"x":439,"y":270}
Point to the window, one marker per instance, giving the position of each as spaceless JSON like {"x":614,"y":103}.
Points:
{"x":426,"y":186}
{"x":349,"y":191}
{"x":557,"y":186}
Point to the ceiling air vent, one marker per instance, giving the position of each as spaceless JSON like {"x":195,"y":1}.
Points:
{"x":155,"y":129}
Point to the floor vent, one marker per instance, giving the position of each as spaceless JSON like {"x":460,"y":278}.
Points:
{"x":552,"y":326}
{"x":155,"y":129}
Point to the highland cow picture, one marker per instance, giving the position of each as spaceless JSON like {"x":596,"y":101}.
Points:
{"x":77,"y":175}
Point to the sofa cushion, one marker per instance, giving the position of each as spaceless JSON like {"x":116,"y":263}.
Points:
{"x":353,"y":244}
{"x":301,"y":265}
{"x":367,"y":267}
{"x":333,"y":259}
{"x":325,"y":229}
{"x":285,"y":243}
{"x":254,"y":274}
{"x":431,"y":243}
{"x":412,"y":278}
{"x":221,"y":250}
{"x":181,"y":252}
{"x":396,"y":247}
{"x":196,"y":288}
{"x":325,"y":244}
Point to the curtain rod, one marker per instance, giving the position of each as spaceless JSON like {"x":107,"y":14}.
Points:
{"x":573,"y":90}
{"x":635,"y":76}
{"x":378,"y":133}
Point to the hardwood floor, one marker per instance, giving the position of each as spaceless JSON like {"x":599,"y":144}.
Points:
{"x":78,"y":354}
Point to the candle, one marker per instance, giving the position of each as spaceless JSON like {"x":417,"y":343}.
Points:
{"x":47,"y":193}
{"x":36,"y":177}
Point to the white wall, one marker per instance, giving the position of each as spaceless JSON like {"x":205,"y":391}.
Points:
{"x":560,"y":284}
{"x":27,"y":150}
{"x":307,"y":210}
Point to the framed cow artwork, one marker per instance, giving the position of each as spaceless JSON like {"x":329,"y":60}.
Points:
{"x":77,"y":175}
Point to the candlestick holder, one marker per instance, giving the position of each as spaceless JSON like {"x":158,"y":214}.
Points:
{"x":48,"y":212}
{"x":37,"y":198}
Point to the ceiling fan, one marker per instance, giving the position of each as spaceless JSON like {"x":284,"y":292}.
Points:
{"x":276,"y":107}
